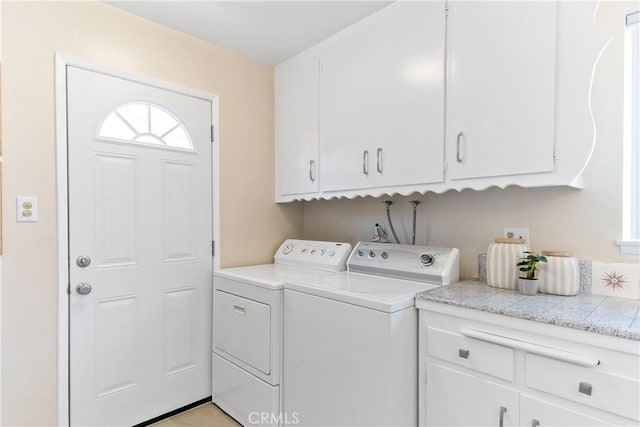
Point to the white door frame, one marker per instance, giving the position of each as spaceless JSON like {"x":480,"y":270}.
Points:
{"x":62,"y":197}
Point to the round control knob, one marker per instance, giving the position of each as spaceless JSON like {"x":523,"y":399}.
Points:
{"x":304,"y":251}
{"x":313,"y":251}
{"x":384,"y":255}
{"x":322,"y":252}
{"x":332,"y":253}
{"x":427,"y":260}
{"x":287,"y":248}
{"x":372,"y":254}
{"x":360,"y":253}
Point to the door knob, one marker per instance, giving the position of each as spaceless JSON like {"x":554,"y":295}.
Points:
{"x":83,"y":288}
{"x":83,"y":261}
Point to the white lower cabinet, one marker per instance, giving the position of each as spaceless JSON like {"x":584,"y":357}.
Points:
{"x":460,"y":399}
{"x":476,"y":370}
{"x":535,"y":412}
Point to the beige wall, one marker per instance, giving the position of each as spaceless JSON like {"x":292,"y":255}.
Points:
{"x":31,"y":34}
{"x":586,"y":222}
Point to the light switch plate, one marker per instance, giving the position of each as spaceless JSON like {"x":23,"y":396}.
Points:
{"x":26,"y":209}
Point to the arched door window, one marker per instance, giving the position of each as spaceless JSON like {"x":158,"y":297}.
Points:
{"x":146,"y":123}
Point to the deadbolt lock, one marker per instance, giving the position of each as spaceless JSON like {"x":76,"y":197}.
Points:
{"x":83,"y":261}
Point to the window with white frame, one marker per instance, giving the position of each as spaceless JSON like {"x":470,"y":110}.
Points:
{"x":630,"y":242}
{"x":145,"y":123}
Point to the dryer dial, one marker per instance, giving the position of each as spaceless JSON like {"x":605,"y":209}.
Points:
{"x":427,"y":260}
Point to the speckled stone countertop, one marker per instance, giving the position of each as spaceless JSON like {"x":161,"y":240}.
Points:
{"x":594,"y":313}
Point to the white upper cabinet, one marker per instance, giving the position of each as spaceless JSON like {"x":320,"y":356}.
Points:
{"x":500,"y":88}
{"x":296,"y":106}
{"x":382,"y":100}
{"x":418,"y":98}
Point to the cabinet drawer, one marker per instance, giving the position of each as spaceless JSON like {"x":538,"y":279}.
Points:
{"x":243,"y":329}
{"x":587,"y":385}
{"x":488,"y":358}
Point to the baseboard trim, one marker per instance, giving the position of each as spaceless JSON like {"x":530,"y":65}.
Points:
{"x":174,"y":412}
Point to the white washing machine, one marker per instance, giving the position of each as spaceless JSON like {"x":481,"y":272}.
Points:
{"x":351,"y":338}
{"x":247,"y":327}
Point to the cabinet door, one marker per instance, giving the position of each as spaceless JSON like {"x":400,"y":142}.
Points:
{"x":534,"y":412}
{"x":500,"y":88}
{"x":381,"y":100}
{"x":458,"y":399}
{"x":296,"y":105}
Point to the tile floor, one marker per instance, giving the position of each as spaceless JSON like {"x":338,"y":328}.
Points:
{"x":207,"y":415}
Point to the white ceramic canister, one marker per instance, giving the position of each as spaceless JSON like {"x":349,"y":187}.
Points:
{"x":502,"y":257}
{"x":560,"y":274}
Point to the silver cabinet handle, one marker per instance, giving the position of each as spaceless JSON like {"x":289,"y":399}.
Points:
{"x":83,"y":288}
{"x":365,"y":162}
{"x":502,"y":411}
{"x":535,"y":423}
{"x":312,"y":166}
{"x":239,"y":309}
{"x":379,"y":164}
{"x":585,"y":388}
{"x":459,"y":158}
{"x":565,"y":356}
{"x":463,"y":353}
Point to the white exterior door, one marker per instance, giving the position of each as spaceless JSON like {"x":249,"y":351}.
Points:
{"x":140,"y":207}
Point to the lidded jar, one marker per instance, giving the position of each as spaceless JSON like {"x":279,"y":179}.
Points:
{"x":560,"y":274}
{"x":502,"y":257}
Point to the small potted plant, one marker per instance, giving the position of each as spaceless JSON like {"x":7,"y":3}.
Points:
{"x":528,"y":264}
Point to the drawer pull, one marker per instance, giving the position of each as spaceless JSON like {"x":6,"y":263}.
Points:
{"x":565,"y":356}
{"x":502,"y":411}
{"x":239,"y":309}
{"x":585,"y":388}
{"x":535,"y":423}
{"x":463,"y":353}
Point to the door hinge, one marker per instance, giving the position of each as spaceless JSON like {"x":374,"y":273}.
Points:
{"x":212,"y":132}
{"x":213,"y":248}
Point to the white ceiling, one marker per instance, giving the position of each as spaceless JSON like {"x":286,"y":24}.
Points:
{"x":265,"y":31}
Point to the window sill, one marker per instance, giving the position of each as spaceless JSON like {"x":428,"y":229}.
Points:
{"x":629,"y":247}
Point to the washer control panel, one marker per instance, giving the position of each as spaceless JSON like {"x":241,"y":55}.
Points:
{"x":330,"y":256}
{"x":430,"y":264}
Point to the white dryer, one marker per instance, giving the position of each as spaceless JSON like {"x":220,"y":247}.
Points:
{"x":350,"y":339}
{"x":247,"y":327}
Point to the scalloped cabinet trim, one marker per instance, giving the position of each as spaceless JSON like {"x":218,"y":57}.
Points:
{"x":363,"y":112}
